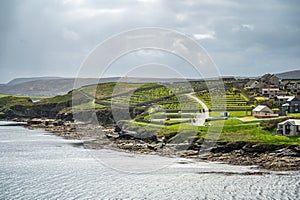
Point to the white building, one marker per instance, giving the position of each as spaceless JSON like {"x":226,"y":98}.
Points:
{"x":263,"y":111}
{"x":270,"y":92}
{"x":290,"y":127}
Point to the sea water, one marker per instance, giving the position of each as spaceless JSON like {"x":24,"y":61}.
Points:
{"x":34,"y":164}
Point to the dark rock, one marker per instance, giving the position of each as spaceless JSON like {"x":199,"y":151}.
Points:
{"x":35,"y":121}
{"x":287,"y":152}
{"x":192,"y":139}
{"x":225,"y":148}
{"x":152,"y":147}
{"x":125,"y":136}
{"x":182,"y":146}
{"x":260,"y":148}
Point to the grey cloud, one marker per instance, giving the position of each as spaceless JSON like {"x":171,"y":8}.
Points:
{"x":52,"y":37}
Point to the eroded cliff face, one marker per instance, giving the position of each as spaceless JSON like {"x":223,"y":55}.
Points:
{"x":33,"y":111}
{"x":101,"y":116}
{"x":25,"y":108}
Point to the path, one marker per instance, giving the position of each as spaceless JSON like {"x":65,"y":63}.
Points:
{"x":201,"y":117}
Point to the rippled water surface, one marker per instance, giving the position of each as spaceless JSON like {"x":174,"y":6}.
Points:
{"x":37,"y":165}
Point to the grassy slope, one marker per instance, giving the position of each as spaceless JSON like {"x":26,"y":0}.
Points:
{"x":32,"y":97}
{"x":4,"y":95}
{"x":233,"y":100}
{"x":233,"y":131}
{"x":9,"y":101}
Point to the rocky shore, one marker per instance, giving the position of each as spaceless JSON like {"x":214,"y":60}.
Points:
{"x":264,"y":156}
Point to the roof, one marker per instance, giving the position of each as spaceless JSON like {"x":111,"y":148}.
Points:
{"x":285,"y":83}
{"x":291,"y":99}
{"x":266,"y":76}
{"x":269,"y":76}
{"x":288,"y":98}
{"x":251,"y":82}
{"x":260,"y":108}
{"x":270,"y":89}
{"x":295,"y":122}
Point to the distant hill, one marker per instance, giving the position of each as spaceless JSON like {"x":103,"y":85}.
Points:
{"x":45,"y":87}
{"x":24,"y":80}
{"x":52,"y":86}
{"x":290,"y":75}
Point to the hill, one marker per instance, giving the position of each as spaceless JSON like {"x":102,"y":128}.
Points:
{"x":52,"y":86}
{"x":47,"y":86}
{"x":291,"y":75}
{"x":24,"y":80}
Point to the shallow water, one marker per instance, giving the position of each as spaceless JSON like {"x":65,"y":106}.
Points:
{"x":37,"y":165}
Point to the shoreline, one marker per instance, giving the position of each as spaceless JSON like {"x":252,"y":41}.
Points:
{"x":262,"y":156}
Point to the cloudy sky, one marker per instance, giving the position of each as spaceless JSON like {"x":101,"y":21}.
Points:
{"x":53,"y":37}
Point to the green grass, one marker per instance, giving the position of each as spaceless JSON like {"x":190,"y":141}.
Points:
{"x":163,"y":130}
{"x":232,"y":100}
{"x":88,"y":106}
{"x":229,"y":122}
{"x":233,"y":113}
{"x":232,"y":131}
{"x":4,"y":95}
{"x":171,"y":115}
{"x":155,"y":94}
{"x":9,"y":101}
{"x":261,"y":98}
{"x":293,"y":115}
{"x":108,"y":89}
{"x":57,"y":99}
{"x":32,"y":97}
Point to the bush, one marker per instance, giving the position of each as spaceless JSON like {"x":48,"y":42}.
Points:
{"x":271,"y":124}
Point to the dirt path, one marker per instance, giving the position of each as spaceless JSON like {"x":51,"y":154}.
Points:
{"x":201,"y":117}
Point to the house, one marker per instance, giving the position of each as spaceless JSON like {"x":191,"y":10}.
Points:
{"x":270,"y":79}
{"x":263,"y":111}
{"x":251,"y":84}
{"x":292,"y":105}
{"x":290,"y":127}
{"x":284,"y":85}
{"x":266,"y":81}
{"x":270,"y":92}
{"x":292,"y":86}
{"x":239,"y":84}
{"x":295,"y":88}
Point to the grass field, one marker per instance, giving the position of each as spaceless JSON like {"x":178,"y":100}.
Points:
{"x":261,"y":98}
{"x":4,"y":95}
{"x":157,"y":94}
{"x":87,"y":106}
{"x":8,"y":101}
{"x":232,"y":100}
{"x":233,"y":113}
{"x":32,"y":97}
{"x":145,"y":96}
{"x":232,"y":131}
{"x":293,"y":115}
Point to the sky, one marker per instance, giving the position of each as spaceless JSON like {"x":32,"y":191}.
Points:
{"x":54,"y":37}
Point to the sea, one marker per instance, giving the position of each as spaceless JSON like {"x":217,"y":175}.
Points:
{"x":35,"y":164}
